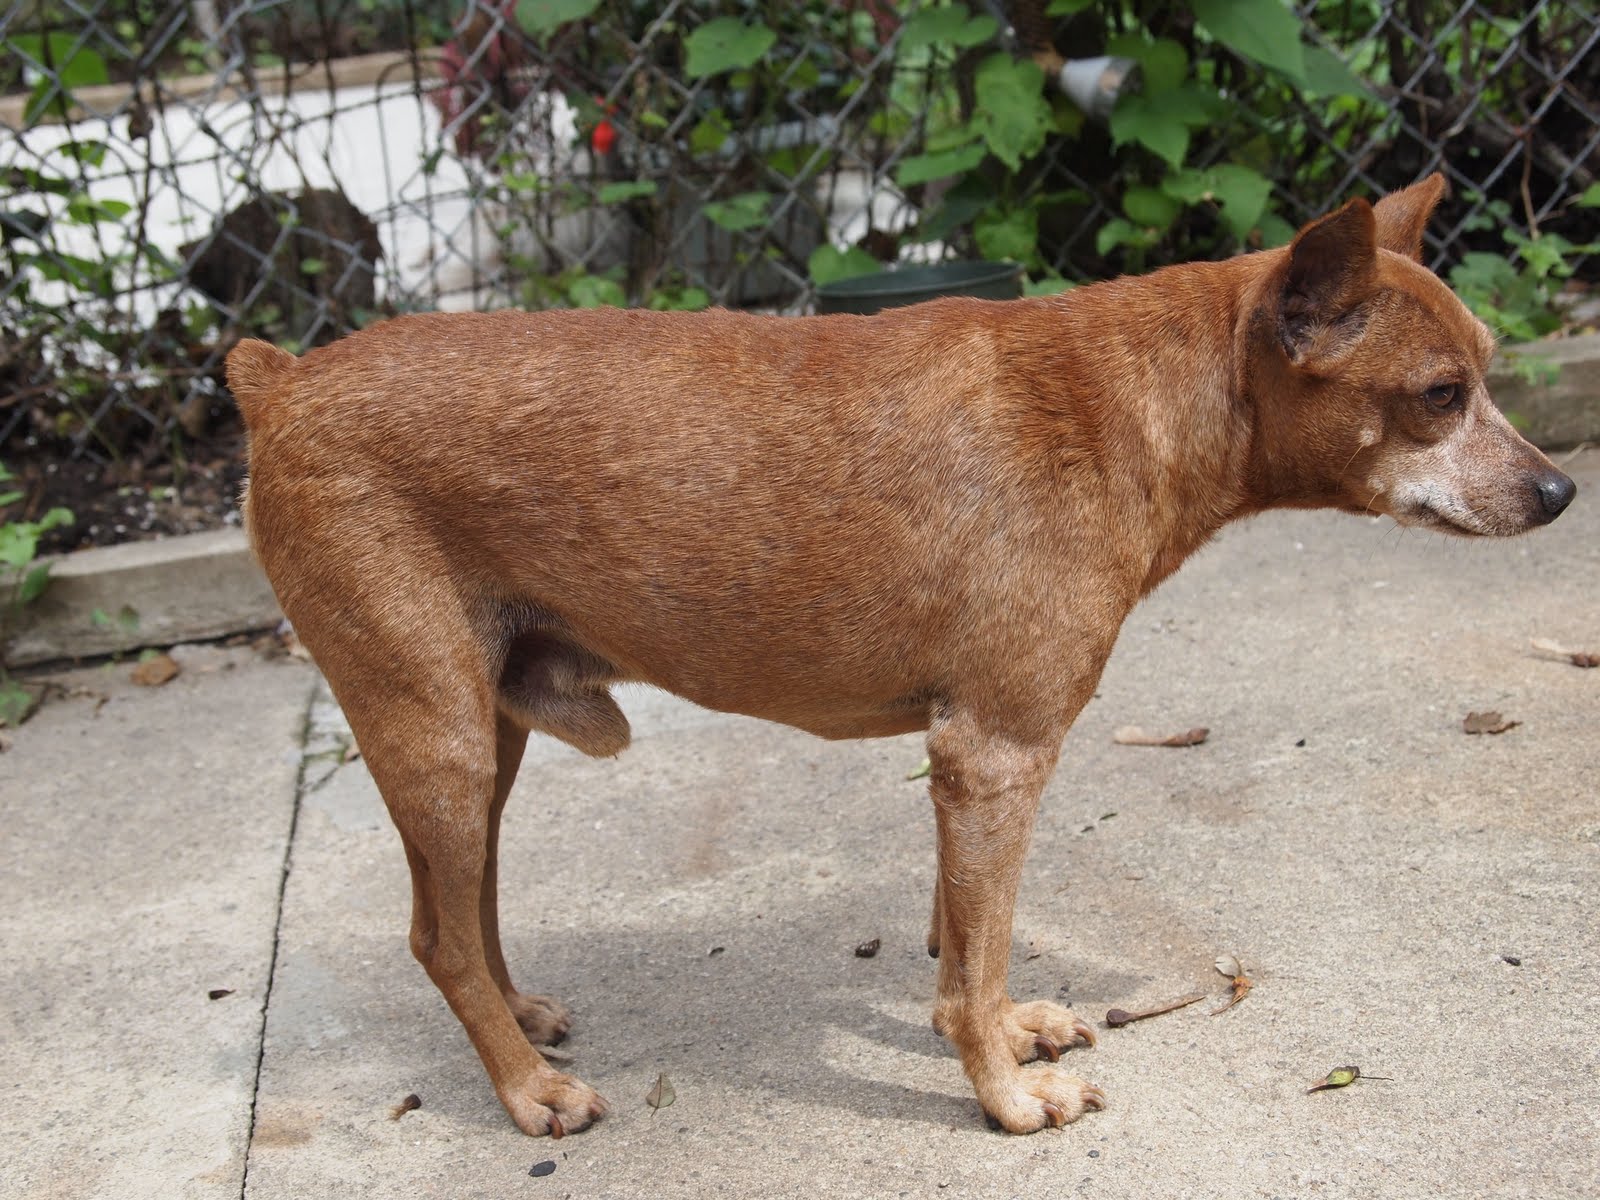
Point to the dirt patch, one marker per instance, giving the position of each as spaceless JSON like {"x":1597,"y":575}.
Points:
{"x":130,"y":501}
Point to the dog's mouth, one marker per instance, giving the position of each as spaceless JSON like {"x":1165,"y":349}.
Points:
{"x":1425,"y":516}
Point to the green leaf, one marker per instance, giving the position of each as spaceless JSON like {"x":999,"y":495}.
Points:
{"x":1150,"y":206}
{"x":312,"y":266}
{"x":961,"y":205}
{"x":19,"y":543}
{"x":75,"y":66}
{"x":921,"y":168}
{"x":709,"y":133}
{"x":633,"y":189}
{"x":1065,"y":8}
{"x":9,"y":498}
{"x":55,"y":518}
{"x":16,"y":702}
{"x":1163,"y":63}
{"x":740,"y":212}
{"x":1121,"y":232}
{"x":1327,"y":75}
{"x":33,"y":584}
{"x":84,"y":211}
{"x":1137,"y":118}
{"x":5,"y":473}
{"x":1590,"y":197}
{"x":922,"y":771}
{"x":1049,"y":285}
{"x":1242,"y":193}
{"x":1012,"y":235}
{"x":725,"y":44}
{"x":543,"y":17}
{"x":829,"y":265}
{"x":689,"y":299}
{"x":523,"y":181}
{"x":43,"y":99}
{"x":953,"y":26}
{"x":1275,"y":231}
{"x":1012,"y":113}
{"x":1265,"y":30}
{"x":91,"y":152}
{"x":596,"y":291}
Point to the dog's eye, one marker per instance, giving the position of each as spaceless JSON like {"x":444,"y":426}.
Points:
{"x":1443,"y":396}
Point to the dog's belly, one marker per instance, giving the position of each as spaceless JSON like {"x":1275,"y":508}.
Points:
{"x":842,"y":724}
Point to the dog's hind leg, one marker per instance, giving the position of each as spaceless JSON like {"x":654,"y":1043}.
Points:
{"x":543,"y":1018}
{"x":416,"y":681}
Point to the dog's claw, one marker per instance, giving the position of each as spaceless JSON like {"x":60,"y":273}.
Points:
{"x":1054,"y":1116}
{"x":1084,"y":1032}
{"x":1094,"y":1098}
{"x":1047,"y":1049}
{"x":555,"y":1127}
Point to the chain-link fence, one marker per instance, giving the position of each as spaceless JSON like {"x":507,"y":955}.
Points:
{"x":177,"y":173}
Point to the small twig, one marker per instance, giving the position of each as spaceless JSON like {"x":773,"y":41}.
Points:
{"x":1118,"y":1017}
{"x":1527,"y":194}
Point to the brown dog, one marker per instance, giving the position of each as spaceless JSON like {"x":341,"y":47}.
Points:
{"x":935,"y":518}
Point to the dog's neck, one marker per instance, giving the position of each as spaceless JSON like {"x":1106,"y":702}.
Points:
{"x":1172,"y":438}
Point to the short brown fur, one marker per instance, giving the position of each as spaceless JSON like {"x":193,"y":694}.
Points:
{"x":934,"y":518}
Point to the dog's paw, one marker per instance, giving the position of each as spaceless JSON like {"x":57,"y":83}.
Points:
{"x":1041,"y":1029}
{"x":1040,"y":1097}
{"x":543,"y":1018}
{"x":554,"y":1104}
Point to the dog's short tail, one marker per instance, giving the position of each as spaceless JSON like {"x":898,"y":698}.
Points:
{"x":255,"y":369}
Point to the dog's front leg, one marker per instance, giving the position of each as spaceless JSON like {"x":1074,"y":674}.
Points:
{"x":986,"y":788}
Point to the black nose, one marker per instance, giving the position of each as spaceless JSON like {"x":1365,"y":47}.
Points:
{"x":1555,"y":493}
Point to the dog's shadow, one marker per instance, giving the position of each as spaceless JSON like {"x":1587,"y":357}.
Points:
{"x":775,"y":1019}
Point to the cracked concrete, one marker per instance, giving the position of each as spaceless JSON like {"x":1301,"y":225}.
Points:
{"x":698,"y":901}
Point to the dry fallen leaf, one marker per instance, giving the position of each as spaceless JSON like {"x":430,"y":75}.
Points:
{"x":1132,"y":735}
{"x":869,"y":949}
{"x":410,"y":1104}
{"x":155,"y":670}
{"x":1487,"y":722}
{"x":218,"y":993}
{"x":1578,"y":658}
{"x":662,"y":1094}
{"x":1229,"y":965}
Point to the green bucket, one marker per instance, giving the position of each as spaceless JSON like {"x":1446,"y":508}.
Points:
{"x":911,"y":285}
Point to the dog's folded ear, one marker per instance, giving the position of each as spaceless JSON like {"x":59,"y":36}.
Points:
{"x":1332,"y":269}
{"x":1403,"y":215}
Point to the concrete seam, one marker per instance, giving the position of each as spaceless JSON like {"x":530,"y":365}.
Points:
{"x":306,"y":727}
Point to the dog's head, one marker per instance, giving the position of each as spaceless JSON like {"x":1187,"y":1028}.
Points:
{"x":1369,"y":382}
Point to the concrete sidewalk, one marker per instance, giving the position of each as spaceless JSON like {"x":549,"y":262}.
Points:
{"x":1406,"y":897}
